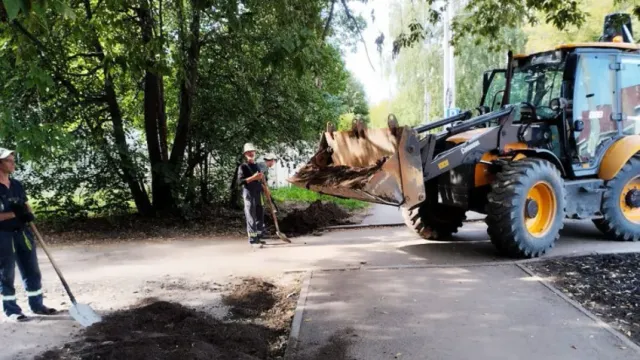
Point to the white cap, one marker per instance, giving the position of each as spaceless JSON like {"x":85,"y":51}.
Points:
{"x":270,"y":156}
{"x":248,"y":147}
{"x":4,"y":153}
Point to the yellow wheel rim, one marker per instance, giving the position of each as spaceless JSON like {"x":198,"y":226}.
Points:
{"x":632,"y":214}
{"x":540,"y":223}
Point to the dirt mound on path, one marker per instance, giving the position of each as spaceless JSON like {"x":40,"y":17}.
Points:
{"x":250,"y":298}
{"x":164,"y":330}
{"x":318,"y":215}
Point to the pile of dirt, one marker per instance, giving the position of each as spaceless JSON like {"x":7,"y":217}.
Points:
{"x":165,"y":330}
{"x":338,"y":175}
{"x":607,"y":285}
{"x":318,"y":215}
{"x":250,"y":298}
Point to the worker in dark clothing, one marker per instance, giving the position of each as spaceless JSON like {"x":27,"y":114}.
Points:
{"x":250,"y":178}
{"x":17,"y":245}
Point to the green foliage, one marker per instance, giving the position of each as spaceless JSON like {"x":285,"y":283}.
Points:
{"x":151,"y":100}
{"x":545,"y":36}
{"x":419,"y":69}
{"x":297,"y":194}
{"x":484,"y":20}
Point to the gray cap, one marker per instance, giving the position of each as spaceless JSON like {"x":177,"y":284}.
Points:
{"x":270,"y":156}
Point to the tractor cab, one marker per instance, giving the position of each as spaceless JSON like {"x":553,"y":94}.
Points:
{"x":569,"y":95}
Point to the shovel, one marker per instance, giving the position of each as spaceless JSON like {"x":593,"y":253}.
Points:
{"x":81,"y":313}
{"x":267,"y":193}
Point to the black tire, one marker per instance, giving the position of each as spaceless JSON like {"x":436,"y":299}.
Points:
{"x":432,"y":220}
{"x":506,"y":223}
{"x":614,"y":224}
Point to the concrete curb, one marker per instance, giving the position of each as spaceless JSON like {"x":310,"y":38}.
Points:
{"x":361,"y":226}
{"x":625,"y":340}
{"x":480,"y":264}
{"x":296,"y":323}
{"x":394,"y":224}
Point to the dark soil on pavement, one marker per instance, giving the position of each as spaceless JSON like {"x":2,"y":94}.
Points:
{"x":250,"y":298}
{"x":318,"y":215}
{"x":161,"y":330}
{"x":607,"y":285}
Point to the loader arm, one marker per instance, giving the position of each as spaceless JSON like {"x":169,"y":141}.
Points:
{"x":492,"y":139}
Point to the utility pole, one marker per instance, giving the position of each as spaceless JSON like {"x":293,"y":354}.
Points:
{"x":449,"y":63}
{"x":427,"y":100}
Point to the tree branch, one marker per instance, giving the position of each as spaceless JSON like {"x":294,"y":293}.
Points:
{"x":92,"y":54}
{"x":355,"y":22}
{"x":88,"y":73}
{"x":42,"y":52}
{"x":328,"y":24}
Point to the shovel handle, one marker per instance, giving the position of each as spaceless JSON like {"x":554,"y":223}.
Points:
{"x":271,"y":206}
{"x":35,"y":231}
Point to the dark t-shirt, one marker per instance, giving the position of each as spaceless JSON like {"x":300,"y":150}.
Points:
{"x":247,"y":170}
{"x":15,"y":193}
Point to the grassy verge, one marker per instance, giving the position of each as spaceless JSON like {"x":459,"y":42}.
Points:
{"x":303,"y":195}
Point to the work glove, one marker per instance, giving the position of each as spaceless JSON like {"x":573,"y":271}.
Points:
{"x":22,"y":213}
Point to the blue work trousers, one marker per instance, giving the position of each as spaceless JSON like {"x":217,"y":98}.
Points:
{"x":18,"y":247}
{"x":254,"y":213}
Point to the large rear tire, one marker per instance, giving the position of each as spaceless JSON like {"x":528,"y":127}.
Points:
{"x":621,"y":204}
{"x":432,"y":220}
{"x":526,"y":208}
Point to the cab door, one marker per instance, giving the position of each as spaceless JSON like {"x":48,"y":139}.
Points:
{"x":595,"y":106}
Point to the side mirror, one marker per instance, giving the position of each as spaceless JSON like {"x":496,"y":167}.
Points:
{"x":578,"y":125}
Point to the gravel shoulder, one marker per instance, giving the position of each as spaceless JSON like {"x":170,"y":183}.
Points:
{"x":607,"y":285}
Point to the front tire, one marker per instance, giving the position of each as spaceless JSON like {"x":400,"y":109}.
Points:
{"x":621,"y":204}
{"x":526,"y":208}
{"x":432,"y":220}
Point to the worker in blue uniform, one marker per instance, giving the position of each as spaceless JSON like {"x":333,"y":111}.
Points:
{"x":17,"y":245}
{"x":250,"y":178}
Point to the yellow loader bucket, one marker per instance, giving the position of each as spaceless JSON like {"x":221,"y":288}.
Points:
{"x":374,"y":165}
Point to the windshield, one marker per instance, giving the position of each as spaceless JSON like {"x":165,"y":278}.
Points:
{"x":537,"y":85}
{"x":536,"y":80}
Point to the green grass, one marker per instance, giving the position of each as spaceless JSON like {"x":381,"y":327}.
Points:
{"x":303,"y":195}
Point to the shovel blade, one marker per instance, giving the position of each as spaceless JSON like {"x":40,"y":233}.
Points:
{"x":84,"y":315}
{"x":283,"y":237}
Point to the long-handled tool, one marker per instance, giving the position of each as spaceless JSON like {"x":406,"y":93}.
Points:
{"x":82,"y":313}
{"x":267,"y":194}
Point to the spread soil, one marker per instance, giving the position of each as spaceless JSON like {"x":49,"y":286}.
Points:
{"x":318,"y":215}
{"x":165,"y":330}
{"x":294,"y":220}
{"x":339,"y":175}
{"x":607,"y":285}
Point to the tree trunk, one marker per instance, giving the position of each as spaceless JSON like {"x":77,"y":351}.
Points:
{"x":127,"y":166}
{"x":187,"y":91}
{"x":204,"y":187}
{"x":234,"y":190}
{"x":155,"y":124}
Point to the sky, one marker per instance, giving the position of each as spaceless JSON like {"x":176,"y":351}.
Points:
{"x":376,"y":87}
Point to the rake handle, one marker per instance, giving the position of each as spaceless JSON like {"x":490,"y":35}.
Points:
{"x":35,"y":231}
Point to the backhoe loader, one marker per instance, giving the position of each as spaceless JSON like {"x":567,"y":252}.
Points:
{"x":557,"y":136}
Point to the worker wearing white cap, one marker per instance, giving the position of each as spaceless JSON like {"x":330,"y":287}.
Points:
{"x":17,"y":245}
{"x":250,"y":178}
